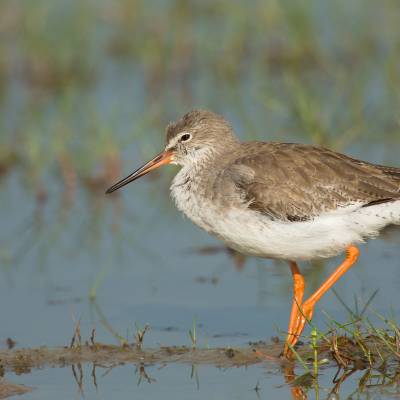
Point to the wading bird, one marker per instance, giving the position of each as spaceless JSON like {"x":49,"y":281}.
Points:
{"x":276,"y":200}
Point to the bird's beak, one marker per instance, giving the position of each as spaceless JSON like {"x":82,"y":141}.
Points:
{"x":165,"y":157}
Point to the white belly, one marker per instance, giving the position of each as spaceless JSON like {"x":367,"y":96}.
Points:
{"x":325,"y":236}
{"x":252,"y":233}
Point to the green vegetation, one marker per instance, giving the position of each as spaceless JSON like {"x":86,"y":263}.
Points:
{"x":358,"y":345}
{"x":81,"y":80}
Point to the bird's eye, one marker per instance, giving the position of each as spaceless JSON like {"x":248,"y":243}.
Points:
{"x":185,"y":137}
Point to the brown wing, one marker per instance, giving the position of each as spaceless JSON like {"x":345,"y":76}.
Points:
{"x":294,"y":182}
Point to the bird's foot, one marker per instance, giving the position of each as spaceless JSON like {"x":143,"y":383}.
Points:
{"x":305,"y":314}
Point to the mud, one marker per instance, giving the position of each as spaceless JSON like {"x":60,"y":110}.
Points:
{"x":23,"y":360}
{"x":341,"y":351}
{"x":8,"y":389}
{"x":378,"y":356}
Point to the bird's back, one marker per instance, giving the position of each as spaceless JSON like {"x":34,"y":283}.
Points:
{"x":295,"y":182}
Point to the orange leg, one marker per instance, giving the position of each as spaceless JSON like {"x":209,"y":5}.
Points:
{"x":298,"y":293}
{"x":297,"y":391}
{"x":305,"y":310}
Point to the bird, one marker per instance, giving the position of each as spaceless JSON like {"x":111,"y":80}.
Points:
{"x":285,"y":201}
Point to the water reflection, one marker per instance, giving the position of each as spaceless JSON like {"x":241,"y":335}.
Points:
{"x":296,"y":386}
{"x":380,"y":377}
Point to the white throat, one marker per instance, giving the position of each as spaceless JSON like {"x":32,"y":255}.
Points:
{"x":188,"y":189}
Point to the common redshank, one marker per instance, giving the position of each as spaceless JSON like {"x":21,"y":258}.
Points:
{"x":276,"y":200}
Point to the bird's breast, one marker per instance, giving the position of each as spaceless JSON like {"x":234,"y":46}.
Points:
{"x":227,"y":222}
{"x":214,"y":213}
{"x":189,"y":194}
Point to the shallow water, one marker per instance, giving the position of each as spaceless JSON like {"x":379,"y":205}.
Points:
{"x":151,"y":274}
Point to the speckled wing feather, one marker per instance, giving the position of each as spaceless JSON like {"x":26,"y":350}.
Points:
{"x":294,"y":182}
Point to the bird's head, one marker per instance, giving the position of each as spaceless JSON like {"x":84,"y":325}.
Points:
{"x":198,"y":135}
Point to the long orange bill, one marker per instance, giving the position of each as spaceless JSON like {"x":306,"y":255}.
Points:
{"x":163,"y":158}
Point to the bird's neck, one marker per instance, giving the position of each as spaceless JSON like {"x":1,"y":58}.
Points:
{"x":191,"y":182}
{"x":193,"y":173}
{"x":198,"y":173}
{"x":195,"y":164}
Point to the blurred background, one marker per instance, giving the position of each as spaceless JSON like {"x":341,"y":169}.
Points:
{"x":86,"y":90}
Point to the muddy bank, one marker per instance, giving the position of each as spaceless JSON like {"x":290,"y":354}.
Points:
{"x":377,"y":355}
{"x":370,"y":352}
{"x":8,"y":389}
{"x":342,"y":351}
{"x":23,"y":360}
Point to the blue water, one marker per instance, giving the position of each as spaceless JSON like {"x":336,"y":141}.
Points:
{"x":150,"y":273}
